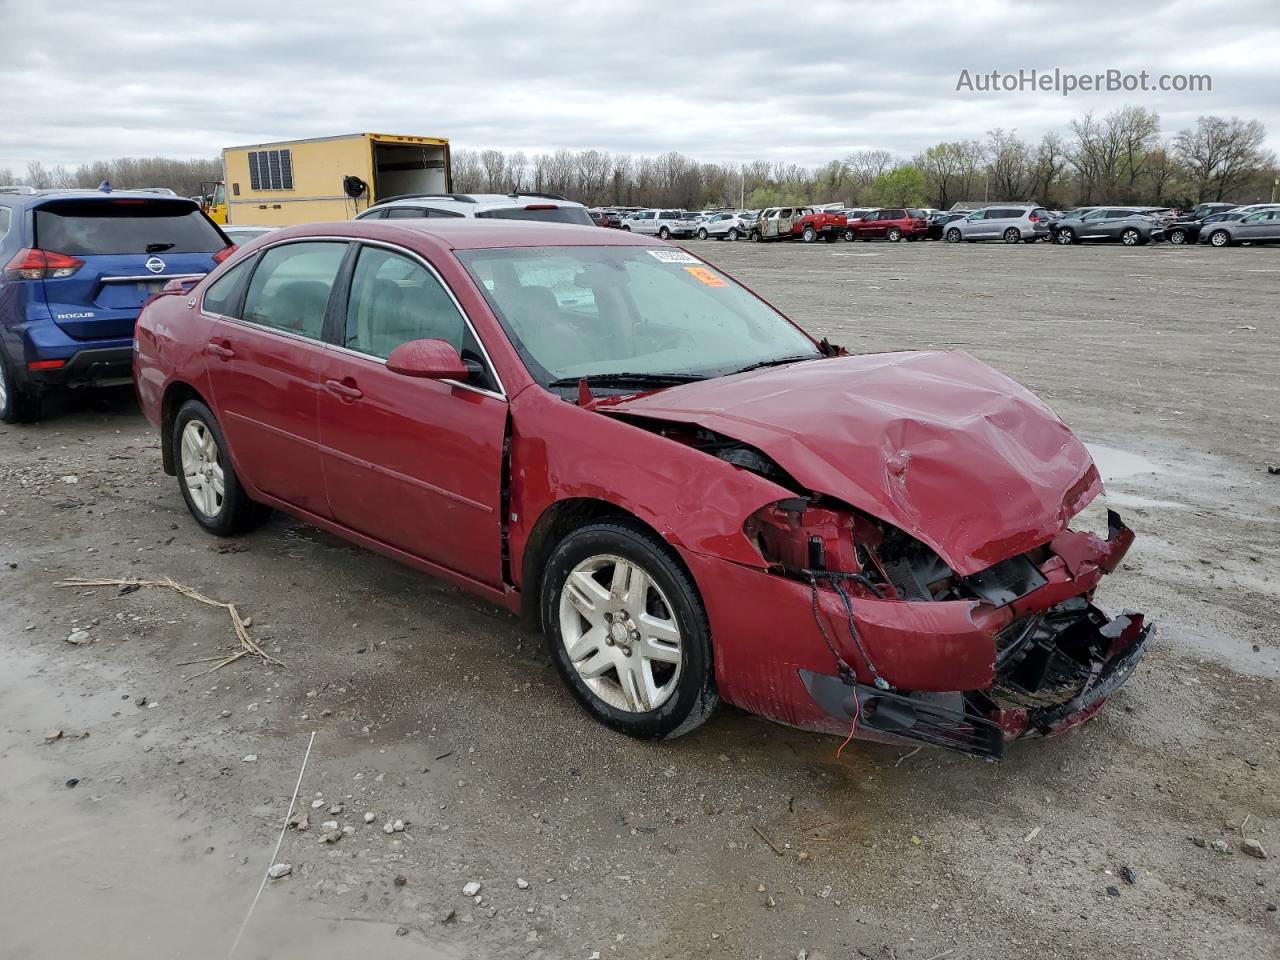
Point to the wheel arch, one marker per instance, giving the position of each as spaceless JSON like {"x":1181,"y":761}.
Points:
{"x":175,"y":395}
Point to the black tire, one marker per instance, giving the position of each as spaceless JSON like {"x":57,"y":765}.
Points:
{"x":1066,"y":236}
{"x":626,"y":227}
{"x":808,"y":235}
{"x":894,"y":235}
{"x":1131,"y":237}
{"x":694,"y":697}
{"x":732,"y":234}
{"x":954,"y":235}
{"x":1220,"y":238}
{"x":237,"y":513}
{"x":1178,"y":237}
{"x":702,"y":233}
{"x":664,"y":233}
{"x":1013,"y":235}
{"x":755,"y":236}
{"x":830,"y":236}
{"x":17,"y":405}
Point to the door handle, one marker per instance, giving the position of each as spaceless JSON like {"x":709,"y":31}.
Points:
{"x":220,"y":351}
{"x":347,"y":392}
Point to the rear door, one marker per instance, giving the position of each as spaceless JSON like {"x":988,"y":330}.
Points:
{"x":413,"y":463}
{"x":129,"y":247}
{"x":264,"y":368}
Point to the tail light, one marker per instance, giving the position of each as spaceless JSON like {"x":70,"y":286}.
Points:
{"x":225,"y":252}
{"x":1034,"y":219}
{"x":46,"y":364}
{"x":31,"y":264}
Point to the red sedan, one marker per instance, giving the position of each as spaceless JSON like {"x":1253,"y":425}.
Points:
{"x":693,"y":498}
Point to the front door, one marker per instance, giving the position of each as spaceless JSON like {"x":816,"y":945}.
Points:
{"x":413,"y":463}
{"x":264,"y":364}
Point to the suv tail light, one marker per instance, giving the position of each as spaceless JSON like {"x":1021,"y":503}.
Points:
{"x":1034,"y":219}
{"x":31,"y":264}
{"x":225,"y":252}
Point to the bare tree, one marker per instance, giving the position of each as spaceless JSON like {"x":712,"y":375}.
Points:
{"x":1221,"y":155}
{"x":1010,"y":164}
{"x":1047,"y":168}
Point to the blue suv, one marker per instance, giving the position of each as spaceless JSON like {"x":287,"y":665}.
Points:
{"x":76,"y":267}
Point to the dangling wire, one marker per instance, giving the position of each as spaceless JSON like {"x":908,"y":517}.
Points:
{"x":835,"y":579}
{"x":857,"y":710}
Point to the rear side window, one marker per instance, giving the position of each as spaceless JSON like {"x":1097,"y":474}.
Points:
{"x":894,"y":214}
{"x":394,"y":300}
{"x":547,"y":213}
{"x":86,"y":228}
{"x":290,"y":288}
{"x":220,"y":298}
{"x":915,"y":213}
{"x":406,"y":213}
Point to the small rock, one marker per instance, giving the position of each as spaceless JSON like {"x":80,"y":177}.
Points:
{"x":224,"y":714}
{"x":770,"y":902}
{"x":331,"y":836}
{"x":52,"y":735}
{"x":1128,"y":876}
{"x":761,"y":888}
{"x":249,"y":758}
{"x":348,"y":830}
{"x":329,"y":825}
{"x":388,"y":827}
{"x":278,"y":870}
{"x":251,"y":708}
{"x":72,"y":782}
{"x":398,"y":826}
{"x":471,"y":888}
{"x":336,"y":809}
{"x":402,"y":931}
{"x":1200,"y":842}
{"x":802,"y":856}
{"x":522,"y":883}
{"x":1253,"y":848}
{"x":448,"y":916}
{"x":78,"y":637}
{"x":1219,"y":846}
{"x":1113,"y":891}
{"x":370,"y":817}
{"x":301,"y":823}
{"x":317,"y":804}
{"x":400,"y":881}
{"x":564,"y":896}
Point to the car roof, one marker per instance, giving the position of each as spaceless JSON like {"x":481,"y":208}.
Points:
{"x":470,"y":200}
{"x":71,"y":193}
{"x":466,"y":233}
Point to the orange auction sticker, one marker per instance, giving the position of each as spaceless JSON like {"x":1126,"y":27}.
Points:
{"x":706,"y":276}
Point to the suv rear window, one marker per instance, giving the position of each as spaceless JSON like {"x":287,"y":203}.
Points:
{"x":87,"y":228}
{"x":547,"y":214}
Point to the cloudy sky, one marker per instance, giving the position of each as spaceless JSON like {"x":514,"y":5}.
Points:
{"x":727,"y":80}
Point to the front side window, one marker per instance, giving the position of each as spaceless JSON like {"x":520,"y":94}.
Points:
{"x":290,"y":287}
{"x":580,"y":311}
{"x":1095,"y":215}
{"x":394,"y":300}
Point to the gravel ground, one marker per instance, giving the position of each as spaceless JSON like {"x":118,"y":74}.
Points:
{"x":144,"y":829}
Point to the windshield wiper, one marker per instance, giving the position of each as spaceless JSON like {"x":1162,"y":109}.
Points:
{"x":159,"y":247}
{"x":776,"y":363}
{"x":627,"y":379}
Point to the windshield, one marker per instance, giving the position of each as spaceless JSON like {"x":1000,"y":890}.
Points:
{"x":540,"y":211}
{"x":583,"y":311}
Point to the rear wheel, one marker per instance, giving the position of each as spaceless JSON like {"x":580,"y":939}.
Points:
{"x":16,"y":404}
{"x":206,"y":477}
{"x":755,"y":236}
{"x":1220,"y":238}
{"x":809,"y":234}
{"x":628,"y":632}
{"x":894,"y":234}
{"x":702,"y":233}
{"x":1013,"y":235}
{"x":1131,"y":237}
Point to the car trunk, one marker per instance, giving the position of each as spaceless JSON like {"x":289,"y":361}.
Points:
{"x":129,"y":248}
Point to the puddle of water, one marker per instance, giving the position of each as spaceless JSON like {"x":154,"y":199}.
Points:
{"x":107,"y":870}
{"x":1113,"y":464}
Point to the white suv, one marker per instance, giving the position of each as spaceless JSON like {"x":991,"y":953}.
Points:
{"x":661,"y":223}
{"x":497,"y":206}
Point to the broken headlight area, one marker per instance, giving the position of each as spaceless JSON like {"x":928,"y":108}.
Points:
{"x":1054,"y":656}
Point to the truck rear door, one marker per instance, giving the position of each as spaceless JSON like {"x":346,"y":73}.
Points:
{"x":121,"y":250}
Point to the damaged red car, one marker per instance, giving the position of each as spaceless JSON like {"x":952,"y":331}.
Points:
{"x":693,"y":498}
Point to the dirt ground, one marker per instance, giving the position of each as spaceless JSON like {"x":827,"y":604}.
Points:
{"x":145,"y":829}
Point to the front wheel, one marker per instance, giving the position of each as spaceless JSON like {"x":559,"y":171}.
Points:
{"x":1013,"y":235}
{"x":1220,"y":238}
{"x":755,"y":236}
{"x":626,"y":228}
{"x":1066,"y":237}
{"x":1131,"y":237}
{"x":702,"y":233}
{"x":953,"y":236}
{"x":809,"y":235}
{"x":894,"y":235}
{"x":850,"y":236}
{"x":628,"y":632}
{"x":1178,"y":237}
{"x":205,"y":475}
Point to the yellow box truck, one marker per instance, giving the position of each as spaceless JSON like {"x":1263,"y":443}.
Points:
{"x":326,"y":178}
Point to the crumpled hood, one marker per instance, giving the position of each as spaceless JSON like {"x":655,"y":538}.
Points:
{"x":938,"y":444}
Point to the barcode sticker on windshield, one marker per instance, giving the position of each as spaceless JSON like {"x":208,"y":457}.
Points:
{"x":673,"y":256}
{"x":705,"y":276}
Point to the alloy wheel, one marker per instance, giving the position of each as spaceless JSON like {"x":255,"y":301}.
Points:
{"x":1130,"y":237}
{"x":202,"y":468}
{"x":1012,"y":235}
{"x":1220,"y":238}
{"x":1066,"y":237}
{"x":620,"y":633}
{"x":1178,"y":236}
{"x":895,"y":235}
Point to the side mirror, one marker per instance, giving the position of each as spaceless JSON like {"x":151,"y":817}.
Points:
{"x":427,"y":360}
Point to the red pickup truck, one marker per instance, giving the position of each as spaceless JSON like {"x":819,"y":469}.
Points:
{"x":805,"y":223}
{"x":891,"y":223}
